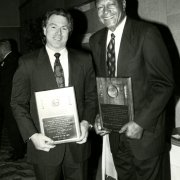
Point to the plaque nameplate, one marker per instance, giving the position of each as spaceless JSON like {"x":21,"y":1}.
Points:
{"x":115,"y":102}
{"x":58,"y":116}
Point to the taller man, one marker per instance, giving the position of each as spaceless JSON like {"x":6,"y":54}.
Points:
{"x":138,"y":149}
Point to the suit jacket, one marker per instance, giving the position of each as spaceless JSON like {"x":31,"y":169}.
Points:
{"x":35,"y":74}
{"x":143,"y":57}
{"x":7,"y":69}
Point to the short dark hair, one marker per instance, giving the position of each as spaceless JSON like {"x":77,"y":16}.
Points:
{"x":119,"y":1}
{"x":58,"y":11}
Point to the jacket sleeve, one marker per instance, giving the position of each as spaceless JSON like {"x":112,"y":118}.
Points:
{"x":90,"y":97}
{"x":20,"y":100}
{"x":159,"y":79}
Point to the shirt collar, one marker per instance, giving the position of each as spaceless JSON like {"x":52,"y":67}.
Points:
{"x":51,"y":52}
{"x":119,"y":28}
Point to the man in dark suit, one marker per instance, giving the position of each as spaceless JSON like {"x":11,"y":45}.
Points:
{"x":8,"y":66}
{"x":35,"y":73}
{"x":138,"y":149}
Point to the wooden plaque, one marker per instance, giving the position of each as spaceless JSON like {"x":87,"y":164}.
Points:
{"x":115,"y":102}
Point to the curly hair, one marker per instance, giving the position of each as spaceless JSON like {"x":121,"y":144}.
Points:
{"x":58,"y":11}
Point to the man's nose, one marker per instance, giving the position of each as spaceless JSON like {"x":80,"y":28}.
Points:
{"x":59,"y":31}
{"x":106,"y":10}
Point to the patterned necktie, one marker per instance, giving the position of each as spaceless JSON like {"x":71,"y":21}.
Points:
{"x":111,"y":56}
{"x":58,"y":71}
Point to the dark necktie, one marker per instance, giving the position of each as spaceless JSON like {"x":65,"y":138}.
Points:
{"x":58,"y":71}
{"x":111,"y":56}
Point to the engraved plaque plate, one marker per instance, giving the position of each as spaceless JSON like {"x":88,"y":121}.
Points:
{"x":115,"y":102}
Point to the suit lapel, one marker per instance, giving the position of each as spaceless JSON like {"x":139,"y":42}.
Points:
{"x":102,"y":53}
{"x":75,"y":69}
{"x":71,"y":69}
{"x":45,"y":71}
{"x":125,"y":51}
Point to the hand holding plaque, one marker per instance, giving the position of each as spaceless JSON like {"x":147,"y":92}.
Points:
{"x":98,"y":126}
{"x":42,"y":142}
{"x":84,"y":126}
{"x":115,"y":102}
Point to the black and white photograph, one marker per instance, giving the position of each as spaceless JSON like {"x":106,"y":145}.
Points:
{"x":89,"y":89}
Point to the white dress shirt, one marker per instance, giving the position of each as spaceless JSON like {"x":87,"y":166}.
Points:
{"x":118,"y":35}
{"x":64,"y":62}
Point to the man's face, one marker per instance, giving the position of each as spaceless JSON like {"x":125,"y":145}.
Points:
{"x":56,"y":32}
{"x":110,"y":12}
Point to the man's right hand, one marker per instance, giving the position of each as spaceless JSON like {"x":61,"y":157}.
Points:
{"x":98,"y":127}
{"x":42,"y":142}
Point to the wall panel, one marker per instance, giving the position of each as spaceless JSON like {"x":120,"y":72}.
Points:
{"x":154,"y":10}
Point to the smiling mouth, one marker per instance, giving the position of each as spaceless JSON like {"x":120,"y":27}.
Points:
{"x":108,"y":18}
{"x":57,"y":39}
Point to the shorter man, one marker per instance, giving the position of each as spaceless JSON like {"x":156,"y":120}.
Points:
{"x":36,"y":73}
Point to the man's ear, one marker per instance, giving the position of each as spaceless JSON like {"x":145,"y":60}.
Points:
{"x":44,"y":31}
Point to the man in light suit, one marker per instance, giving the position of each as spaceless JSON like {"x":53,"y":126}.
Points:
{"x":139,"y":147}
{"x":35,"y":73}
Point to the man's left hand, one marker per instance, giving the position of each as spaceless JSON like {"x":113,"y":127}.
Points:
{"x":132,"y":130}
{"x":84,"y":127}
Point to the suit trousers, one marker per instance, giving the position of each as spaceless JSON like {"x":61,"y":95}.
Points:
{"x":67,"y":170}
{"x":128,"y":167}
